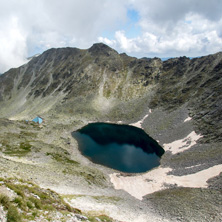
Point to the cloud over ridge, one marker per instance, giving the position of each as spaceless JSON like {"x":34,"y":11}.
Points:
{"x":153,"y":28}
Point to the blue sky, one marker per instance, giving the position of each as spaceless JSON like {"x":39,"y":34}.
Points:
{"x":141,"y":28}
{"x":130,"y":26}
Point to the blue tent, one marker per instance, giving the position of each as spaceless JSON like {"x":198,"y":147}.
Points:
{"x":38,"y":120}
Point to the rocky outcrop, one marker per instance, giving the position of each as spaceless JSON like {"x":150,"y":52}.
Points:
{"x":99,"y":81}
{"x":196,"y":82}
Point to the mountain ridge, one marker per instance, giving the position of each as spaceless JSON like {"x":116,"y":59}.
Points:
{"x":107,"y":79}
{"x":177,"y":102}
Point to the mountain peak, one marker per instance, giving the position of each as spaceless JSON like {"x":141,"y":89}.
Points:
{"x":101,"y":49}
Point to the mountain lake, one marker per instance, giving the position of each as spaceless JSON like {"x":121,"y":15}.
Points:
{"x":121,"y":147}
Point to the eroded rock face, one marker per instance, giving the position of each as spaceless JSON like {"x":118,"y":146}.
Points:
{"x":196,"y":82}
{"x":100,"y":82}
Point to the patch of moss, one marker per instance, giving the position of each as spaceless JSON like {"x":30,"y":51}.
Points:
{"x":62,"y":158}
{"x":106,"y":198}
{"x":15,"y":145}
{"x":25,"y":146}
{"x":93,"y":177}
{"x":102,"y":218}
{"x":28,"y":134}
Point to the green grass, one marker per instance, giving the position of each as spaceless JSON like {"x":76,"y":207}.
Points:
{"x":16,"y":188}
{"x":17,"y":144}
{"x":92,"y":176}
{"x":37,"y":203}
{"x":20,"y":203}
{"x":28,"y":134}
{"x":103,"y":218}
{"x":62,"y":158}
{"x":32,"y":201}
{"x":107,"y":199}
{"x":33,"y":197}
{"x":15,"y":150}
{"x":29,"y":205}
{"x":25,"y":146}
{"x":4,"y":200}
{"x":13,"y":215}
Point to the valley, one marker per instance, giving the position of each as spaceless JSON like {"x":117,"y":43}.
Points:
{"x":177,"y":102}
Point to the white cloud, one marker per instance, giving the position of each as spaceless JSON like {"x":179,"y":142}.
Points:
{"x":53,"y":23}
{"x":166,"y":27}
{"x":107,"y":41}
{"x":129,"y":45}
{"x":174,"y":28}
{"x":12,"y":45}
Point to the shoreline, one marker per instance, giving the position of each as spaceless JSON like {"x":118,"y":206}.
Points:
{"x":160,"y":178}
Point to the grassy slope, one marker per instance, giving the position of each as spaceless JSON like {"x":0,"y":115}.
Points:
{"x":26,"y":201}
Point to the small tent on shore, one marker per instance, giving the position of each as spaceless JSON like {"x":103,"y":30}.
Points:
{"x":38,"y":120}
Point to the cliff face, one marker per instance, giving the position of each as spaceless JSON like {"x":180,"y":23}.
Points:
{"x":99,"y":82}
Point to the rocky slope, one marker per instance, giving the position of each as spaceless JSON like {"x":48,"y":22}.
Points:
{"x":25,"y":201}
{"x":70,"y":87}
{"x":99,"y":80}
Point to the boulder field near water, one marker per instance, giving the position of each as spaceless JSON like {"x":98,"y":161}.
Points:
{"x":177,"y":102}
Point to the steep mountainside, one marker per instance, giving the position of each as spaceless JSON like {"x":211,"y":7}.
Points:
{"x":99,"y":81}
{"x":178,"y":102}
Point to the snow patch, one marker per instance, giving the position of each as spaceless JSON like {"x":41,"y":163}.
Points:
{"x":158,"y":179}
{"x":187,"y":119}
{"x":140,"y":122}
{"x":182,"y":144}
{"x":193,"y":166}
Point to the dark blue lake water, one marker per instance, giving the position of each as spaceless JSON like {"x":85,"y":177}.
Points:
{"x":121,"y":147}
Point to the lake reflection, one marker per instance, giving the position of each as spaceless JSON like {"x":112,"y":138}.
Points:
{"x":116,"y":154}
